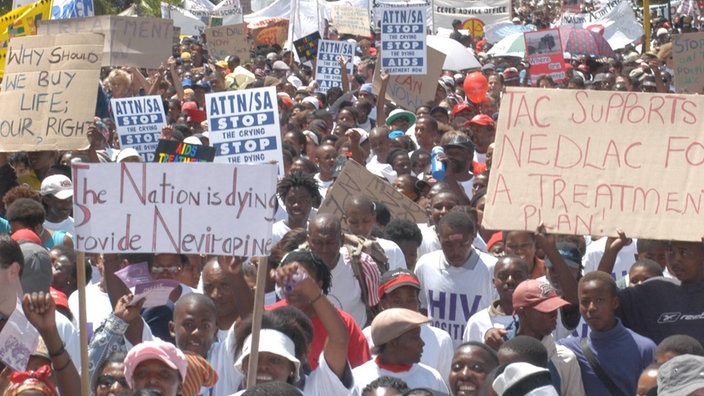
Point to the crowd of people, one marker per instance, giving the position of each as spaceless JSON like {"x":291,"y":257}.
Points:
{"x":363,"y":303}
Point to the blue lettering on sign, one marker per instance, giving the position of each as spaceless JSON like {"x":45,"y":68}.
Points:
{"x":132,"y":120}
{"x":246,"y":146}
{"x":71,"y":9}
{"x":241,"y":121}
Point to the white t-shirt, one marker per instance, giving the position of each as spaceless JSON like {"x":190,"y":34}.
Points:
{"x":624,"y":259}
{"x":437,"y":352}
{"x":323,"y":186}
{"x":453,"y":294}
{"x":66,"y":225}
{"x":488,"y":318}
{"x":70,"y":336}
{"x":345,"y":292}
{"x":278,"y":230}
{"x":393,"y":253}
{"x":431,"y":243}
{"x":222,"y":357}
{"x":419,"y":376}
{"x":382,"y":170}
{"x":98,"y":307}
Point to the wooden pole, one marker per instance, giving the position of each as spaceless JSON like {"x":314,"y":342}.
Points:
{"x":262,"y":273}
{"x":646,"y":25}
{"x":83,"y":328}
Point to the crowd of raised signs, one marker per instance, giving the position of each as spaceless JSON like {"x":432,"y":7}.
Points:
{"x":363,"y":304}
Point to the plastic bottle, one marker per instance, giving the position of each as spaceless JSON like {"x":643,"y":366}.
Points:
{"x":437,"y":167}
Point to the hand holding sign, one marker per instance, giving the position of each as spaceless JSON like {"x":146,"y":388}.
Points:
{"x":127,"y":309}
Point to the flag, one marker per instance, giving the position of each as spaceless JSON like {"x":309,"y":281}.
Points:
{"x":21,"y":22}
{"x":63,"y":9}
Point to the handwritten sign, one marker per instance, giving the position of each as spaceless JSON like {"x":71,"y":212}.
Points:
{"x":587,"y":162}
{"x":269,"y":31}
{"x":351,"y":20}
{"x":328,"y":72}
{"x":139,"y":122}
{"x":173,"y":151}
{"x":355,"y":179}
{"x":244,"y":126}
{"x":174,"y":208}
{"x":403,"y":47}
{"x":307,"y":47}
{"x":48,"y":92}
{"x":129,"y":41}
{"x":688,"y":54}
{"x":411,"y":91}
{"x":544,"y":54}
{"x":228,"y":40}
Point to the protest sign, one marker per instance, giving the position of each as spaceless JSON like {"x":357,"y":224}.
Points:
{"x":227,"y":40}
{"x":174,"y":208}
{"x":355,"y":179}
{"x":138,"y":279}
{"x":410,"y":92}
{"x":230,"y":11}
{"x":487,"y":11}
{"x":544,"y":54}
{"x":44,"y":92}
{"x":616,"y":18}
{"x":71,"y":9}
{"x":351,"y":20}
{"x":571,"y":5}
{"x":688,"y":54}
{"x":139,"y":122}
{"x":403,"y":47}
{"x":18,"y":340}
{"x":174,"y":151}
{"x":589,"y":162}
{"x":129,"y":41}
{"x":269,"y":31}
{"x":20,"y":22}
{"x":328,"y":72}
{"x":307,"y":47}
{"x":244,"y":126}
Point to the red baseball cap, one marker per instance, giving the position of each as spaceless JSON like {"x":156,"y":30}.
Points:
{"x":538,"y":295}
{"x":461,"y":107}
{"x":196,"y":114}
{"x":59,"y":298}
{"x":481,"y":119}
{"x":393,"y":279}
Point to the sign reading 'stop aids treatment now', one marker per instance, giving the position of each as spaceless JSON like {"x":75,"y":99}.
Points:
{"x":403,"y":47}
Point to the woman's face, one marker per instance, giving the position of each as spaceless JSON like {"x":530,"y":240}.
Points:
{"x":111,"y":381}
{"x":272,"y":367}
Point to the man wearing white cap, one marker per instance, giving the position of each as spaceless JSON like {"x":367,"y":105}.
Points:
{"x":396,"y":336}
{"x":57,"y":198}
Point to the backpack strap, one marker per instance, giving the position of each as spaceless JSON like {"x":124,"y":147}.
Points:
{"x":603,"y":377}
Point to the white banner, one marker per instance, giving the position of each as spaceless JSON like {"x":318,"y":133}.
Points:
{"x":193,"y":17}
{"x":484,"y":11}
{"x":617,"y":20}
{"x":139,"y":121}
{"x":174,"y":208}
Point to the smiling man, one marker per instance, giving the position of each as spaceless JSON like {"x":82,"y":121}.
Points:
{"x":157,"y":366}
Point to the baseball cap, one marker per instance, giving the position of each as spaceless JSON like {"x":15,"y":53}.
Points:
{"x":280,"y":65}
{"x":461,"y":107}
{"x":59,"y":298}
{"x":366,"y":87}
{"x":481,"y":119}
{"x":538,"y":295}
{"x":570,"y":254}
{"x":660,"y":32}
{"x":398,"y":113}
{"x":196,"y":114}
{"x":460,"y":141}
{"x":681,"y":375}
{"x":187,"y":83}
{"x":156,"y":349}
{"x":392,"y":323}
{"x":59,"y":186}
{"x":126,"y":153}
{"x":271,"y":341}
{"x":395,"y":278}
{"x":532,"y":380}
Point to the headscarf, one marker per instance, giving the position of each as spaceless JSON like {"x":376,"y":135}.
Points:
{"x":32,"y":380}
{"x":199,"y":373}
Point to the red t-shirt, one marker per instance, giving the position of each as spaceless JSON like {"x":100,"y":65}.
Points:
{"x":357,"y":347}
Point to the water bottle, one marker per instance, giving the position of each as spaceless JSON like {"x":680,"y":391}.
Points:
{"x":437,"y":167}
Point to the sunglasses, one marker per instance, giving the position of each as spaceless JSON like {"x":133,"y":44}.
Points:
{"x":107,"y":381}
{"x":172,"y":270}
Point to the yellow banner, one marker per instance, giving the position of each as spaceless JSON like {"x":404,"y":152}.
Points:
{"x":21,"y":22}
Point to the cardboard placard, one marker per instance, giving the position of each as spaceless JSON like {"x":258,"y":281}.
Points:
{"x":174,"y":208}
{"x":139,"y":122}
{"x":687,"y":52}
{"x":403,"y":47}
{"x":227,"y":40}
{"x":328,"y":72}
{"x":270,"y":31}
{"x":589,"y":162}
{"x":49,"y":92}
{"x":410,"y":92}
{"x":351,"y":20}
{"x":173,"y":151}
{"x":355,"y":179}
{"x":244,"y":126}
{"x":129,"y":41}
{"x":307,"y":47}
{"x":544,"y":54}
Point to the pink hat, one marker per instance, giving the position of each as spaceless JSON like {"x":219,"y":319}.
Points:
{"x":538,"y":295}
{"x":159,"y":350}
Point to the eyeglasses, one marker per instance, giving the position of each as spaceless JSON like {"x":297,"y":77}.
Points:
{"x":107,"y":381}
{"x":172,"y":270}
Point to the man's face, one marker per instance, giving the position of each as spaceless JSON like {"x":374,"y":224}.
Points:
{"x":402,"y":297}
{"x":495,"y":85}
{"x":166,"y":266}
{"x":325,"y":242}
{"x":326,"y":157}
{"x":155,"y":375}
{"x":409,"y":346}
{"x":380,"y":144}
{"x":482,"y":136}
{"x":539,"y":323}
{"x":298,"y":204}
{"x":521,"y":244}
{"x":58,"y":209}
{"x":686,"y":261}
{"x":400,"y":123}
{"x":360,"y":221}
{"x":508,"y":275}
{"x":440,"y":204}
{"x":469,"y":367}
{"x":456,"y":245}
{"x":425,"y":133}
{"x":459,"y":159}
{"x":193,"y":328}
{"x":597,"y":305}
{"x":218,"y":285}
{"x":367,"y":97}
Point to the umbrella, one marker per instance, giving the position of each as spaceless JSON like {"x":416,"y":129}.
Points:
{"x":580,"y":41}
{"x":513,"y":45}
{"x":457,"y":56}
{"x":496,"y":31}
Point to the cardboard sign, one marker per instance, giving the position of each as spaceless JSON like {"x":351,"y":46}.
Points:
{"x":227,"y":40}
{"x":307,"y":47}
{"x":270,"y":31}
{"x":410,"y":92}
{"x":355,"y":179}
{"x":351,"y":20}
{"x":687,"y":50}
{"x":48,"y":92}
{"x":244,"y":126}
{"x":173,"y":151}
{"x":139,"y":122}
{"x":587,"y":162}
{"x":20,"y":22}
{"x":174,"y":208}
{"x":129,"y":41}
{"x":328,"y":72}
{"x":544,"y":54}
{"x":403,"y":47}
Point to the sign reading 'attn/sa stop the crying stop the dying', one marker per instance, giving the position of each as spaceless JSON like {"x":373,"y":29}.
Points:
{"x":589,"y":162}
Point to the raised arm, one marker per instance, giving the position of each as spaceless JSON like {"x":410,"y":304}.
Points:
{"x":568,"y":283}
{"x":343,"y":60}
{"x":244,"y":297}
{"x":381,"y":99}
{"x":175,"y":79}
{"x":613,"y":246}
